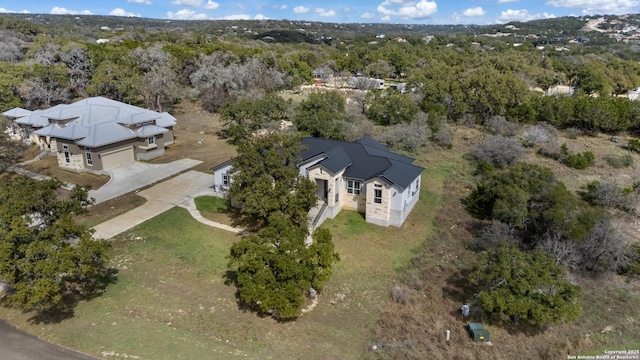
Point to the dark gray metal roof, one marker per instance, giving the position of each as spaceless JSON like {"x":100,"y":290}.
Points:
{"x":337,"y":159}
{"x":222,"y":165}
{"x":364,"y":159}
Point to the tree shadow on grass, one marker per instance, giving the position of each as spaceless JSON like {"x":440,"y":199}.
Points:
{"x":243,"y":221}
{"x":94,"y":286}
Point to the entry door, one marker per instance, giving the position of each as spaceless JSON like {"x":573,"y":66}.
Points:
{"x":322,"y":189}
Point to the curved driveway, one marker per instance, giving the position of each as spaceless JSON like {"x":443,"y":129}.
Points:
{"x":160,"y":198}
{"x":135,"y":175}
{"x":16,"y":344}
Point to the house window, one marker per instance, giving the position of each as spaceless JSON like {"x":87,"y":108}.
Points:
{"x":353,"y":187}
{"x":417,"y":187}
{"x":377,"y":196}
{"x":67,"y":155}
{"x":151,"y":140}
{"x":89,"y":158}
{"x":225,"y":179}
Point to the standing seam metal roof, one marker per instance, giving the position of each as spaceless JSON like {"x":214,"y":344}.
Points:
{"x":97,"y":121}
{"x":364,"y":159}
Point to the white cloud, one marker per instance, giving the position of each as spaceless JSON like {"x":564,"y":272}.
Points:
{"x":324,"y":12}
{"x":186,"y":14}
{"x":598,"y":6}
{"x":146,"y":2}
{"x":476,"y":11}
{"x":522,"y":15}
{"x":62,"y":11}
{"x":408,"y":9}
{"x":300,"y":9}
{"x":192,"y":3}
{"x":368,"y":15}
{"x":211,"y":5}
{"x":506,"y":1}
{"x":280,"y":6}
{"x":122,"y":12}
{"x":244,"y":17}
{"x":5,"y":11}
{"x":385,"y":18}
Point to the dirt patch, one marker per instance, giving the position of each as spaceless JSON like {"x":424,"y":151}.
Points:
{"x":49,"y":167}
{"x":109,"y":209}
{"x":196,"y":137}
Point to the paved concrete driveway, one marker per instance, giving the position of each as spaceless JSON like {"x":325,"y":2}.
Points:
{"x":160,"y":198}
{"x":136,"y":175}
{"x":16,"y":344}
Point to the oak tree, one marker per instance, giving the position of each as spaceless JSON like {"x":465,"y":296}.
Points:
{"x":47,"y":260}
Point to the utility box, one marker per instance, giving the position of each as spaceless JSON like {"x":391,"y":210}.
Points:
{"x":478,"y":333}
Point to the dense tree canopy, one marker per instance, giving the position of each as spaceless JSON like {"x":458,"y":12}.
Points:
{"x":245,"y":116}
{"x":266,"y":179}
{"x":273,"y":267}
{"x":529,"y":286}
{"x":48,"y":261}
{"x":391,"y":108}
{"x":320,"y":115}
{"x":530,"y":198}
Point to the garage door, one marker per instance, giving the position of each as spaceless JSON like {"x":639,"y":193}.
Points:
{"x":117,"y":158}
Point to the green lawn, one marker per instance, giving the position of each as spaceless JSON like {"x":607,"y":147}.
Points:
{"x":170,"y":301}
{"x":215,"y":209}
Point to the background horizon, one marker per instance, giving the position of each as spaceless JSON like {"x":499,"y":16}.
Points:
{"x":436,"y":12}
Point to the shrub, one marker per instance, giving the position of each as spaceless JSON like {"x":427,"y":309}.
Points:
{"x":466,"y":119}
{"x":408,"y":137}
{"x":619,"y":162}
{"x":540,"y":134}
{"x":551,"y":150}
{"x":609,"y":195}
{"x":580,"y":160}
{"x":491,"y":235}
{"x":633,"y":145}
{"x":605,"y":248}
{"x":634,"y":264}
{"x":499,"y":150}
{"x":573,"y":133}
{"x":443,"y":136}
{"x":500,"y":125}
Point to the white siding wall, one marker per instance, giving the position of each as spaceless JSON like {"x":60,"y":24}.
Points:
{"x":217,"y":182}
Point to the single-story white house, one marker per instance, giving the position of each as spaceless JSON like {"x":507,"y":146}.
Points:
{"x":364,"y":176}
{"x":94,"y":134}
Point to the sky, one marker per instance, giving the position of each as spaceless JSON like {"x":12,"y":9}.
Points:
{"x":480,"y":12}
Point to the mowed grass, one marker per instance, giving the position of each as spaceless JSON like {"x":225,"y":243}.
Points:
{"x":171,"y":302}
{"x":214,"y":208}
